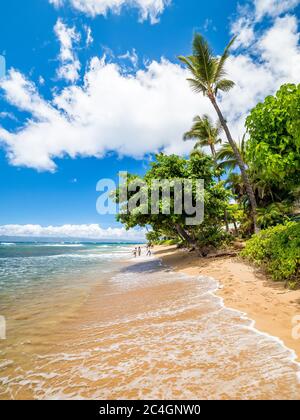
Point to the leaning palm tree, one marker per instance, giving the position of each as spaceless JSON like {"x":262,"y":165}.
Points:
{"x":209,"y":77}
{"x":205,"y":133}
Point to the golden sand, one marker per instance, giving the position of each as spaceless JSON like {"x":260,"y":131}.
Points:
{"x":272,"y":306}
{"x":152,"y":333}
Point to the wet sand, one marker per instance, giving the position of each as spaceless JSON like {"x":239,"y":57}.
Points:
{"x":148,"y":332}
{"x":269,"y":304}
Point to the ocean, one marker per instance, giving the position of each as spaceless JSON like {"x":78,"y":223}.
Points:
{"x":88,"y":321}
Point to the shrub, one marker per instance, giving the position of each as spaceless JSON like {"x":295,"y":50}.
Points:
{"x":169,"y":242}
{"x":277,"y":250}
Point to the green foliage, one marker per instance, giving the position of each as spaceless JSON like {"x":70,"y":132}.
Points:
{"x":205,"y":133}
{"x":208,"y":71}
{"x":272,"y":155}
{"x":169,"y":242}
{"x":211,"y":236}
{"x":153,"y":237}
{"x":277,"y":250}
{"x":227,"y":158}
{"x":174,"y":226}
{"x":274,"y":146}
{"x":272,"y":215}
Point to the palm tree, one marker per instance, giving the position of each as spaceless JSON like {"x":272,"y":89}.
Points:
{"x":209,"y":77}
{"x":206,"y":134}
{"x":226,"y":157}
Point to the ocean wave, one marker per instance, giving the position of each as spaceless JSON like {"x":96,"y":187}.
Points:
{"x":62,"y":245}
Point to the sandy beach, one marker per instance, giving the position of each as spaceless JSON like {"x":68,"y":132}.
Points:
{"x":269,"y":304}
{"x":105,"y":325}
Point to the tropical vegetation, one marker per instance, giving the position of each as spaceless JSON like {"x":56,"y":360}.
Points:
{"x":277,"y":249}
{"x":252,"y":185}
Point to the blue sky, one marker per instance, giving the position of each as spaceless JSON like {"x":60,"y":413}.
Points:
{"x":52,"y":153}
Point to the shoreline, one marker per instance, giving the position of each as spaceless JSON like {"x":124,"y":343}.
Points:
{"x":243,"y":288}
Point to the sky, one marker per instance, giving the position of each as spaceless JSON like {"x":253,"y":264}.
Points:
{"x":94,"y":87}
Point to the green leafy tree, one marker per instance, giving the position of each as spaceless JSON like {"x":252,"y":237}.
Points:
{"x":154,"y":237}
{"x":207,"y":134}
{"x":273,"y":150}
{"x":171,"y":168}
{"x":209,"y":77}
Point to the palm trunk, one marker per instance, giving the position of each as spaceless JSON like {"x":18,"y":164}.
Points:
{"x":214,"y":155}
{"x":181,"y":232}
{"x":240,"y":162}
{"x":213,"y":152}
{"x":226,"y":220}
{"x":235,"y":227}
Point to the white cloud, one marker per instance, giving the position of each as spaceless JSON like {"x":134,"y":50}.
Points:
{"x":148,"y":9}
{"x":131,"y":114}
{"x":8,"y":115}
{"x":134,"y":114}
{"x":70,"y":65}
{"x":251,"y":14}
{"x":92,"y":232}
{"x":273,"y":8}
{"x":131,"y":56}
{"x":89,"y":36}
{"x":279,"y":47}
{"x":243,"y":28}
{"x":272,"y":60}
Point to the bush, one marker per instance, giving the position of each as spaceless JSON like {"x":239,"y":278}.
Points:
{"x":277,"y":250}
{"x":213,"y":237}
{"x":169,"y":242}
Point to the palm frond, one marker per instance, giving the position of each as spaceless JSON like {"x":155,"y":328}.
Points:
{"x":188,"y":62}
{"x":206,"y":62}
{"x":197,"y":86}
{"x":220,"y":71}
{"x":190,"y":135}
{"x":224,"y":85}
{"x":229,"y":165}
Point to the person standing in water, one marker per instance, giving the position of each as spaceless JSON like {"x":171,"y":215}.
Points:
{"x":140,"y":251}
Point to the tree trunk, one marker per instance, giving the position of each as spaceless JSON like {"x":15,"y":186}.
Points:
{"x":182,"y":232}
{"x":226,"y":221}
{"x":214,"y":155}
{"x":240,"y":162}
{"x":213,"y":151}
{"x":235,"y":227}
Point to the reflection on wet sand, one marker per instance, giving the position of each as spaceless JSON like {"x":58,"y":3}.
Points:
{"x":147,"y":333}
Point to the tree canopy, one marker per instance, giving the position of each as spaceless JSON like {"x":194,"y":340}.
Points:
{"x":273,"y":149}
{"x":216,"y":197}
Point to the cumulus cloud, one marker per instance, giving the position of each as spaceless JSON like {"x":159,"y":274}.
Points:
{"x":92,"y":232}
{"x":277,"y":61}
{"x":148,"y":9}
{"x":145,"y":111}
{"x":251,"y":14}
{"x":279,"y":46}
{"x":69,"y":63}
{"x":132,"y":115}
{"x":273,"y":7}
